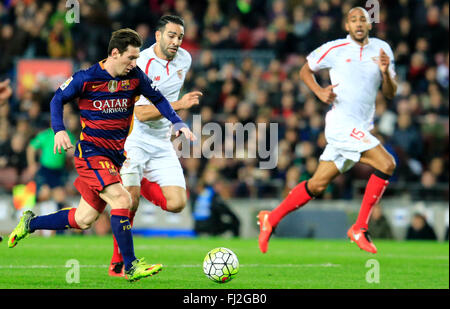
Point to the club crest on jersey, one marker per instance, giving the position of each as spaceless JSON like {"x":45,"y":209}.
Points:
{"x":180,"y":73}
{"x":112,"y":86}
{"x":375,"y":59}
{"x":125,"y":84}
{"x":157,"y":78}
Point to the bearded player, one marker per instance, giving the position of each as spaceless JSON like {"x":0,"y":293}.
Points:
{"x":358,"y":65}
{"x":152,"y":167}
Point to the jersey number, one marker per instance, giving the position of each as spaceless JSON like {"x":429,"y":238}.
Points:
{"x":106,"y":164}
{"x":357,"y":134}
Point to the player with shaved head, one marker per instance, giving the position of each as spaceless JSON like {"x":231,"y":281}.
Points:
{"x":358,"y":65}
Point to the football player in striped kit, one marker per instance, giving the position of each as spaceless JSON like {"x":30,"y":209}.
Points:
{"x":152,"y":167}
{"x":107,"y":92}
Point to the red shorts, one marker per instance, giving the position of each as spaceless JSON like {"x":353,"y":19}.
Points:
{"x":94,"y":174}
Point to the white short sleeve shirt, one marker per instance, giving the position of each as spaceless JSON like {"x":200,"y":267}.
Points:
{"x":168,"y":77}
{"x":356,"y":70}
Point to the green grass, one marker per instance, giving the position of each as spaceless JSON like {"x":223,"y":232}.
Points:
{"x":39,"y":262}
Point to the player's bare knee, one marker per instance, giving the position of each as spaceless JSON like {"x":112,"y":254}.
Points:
{"x":125,"y":201}
{"x":85,"y":222}
{"x":392,"y":166}
{"x":176,"y":205}
{"x":175,"y":208}
{"x":316,"y":187}
{"x":122,"y":201}
{"x":389,"y":166}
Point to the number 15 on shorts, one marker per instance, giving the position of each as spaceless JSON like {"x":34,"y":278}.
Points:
{"x":357,"y":134}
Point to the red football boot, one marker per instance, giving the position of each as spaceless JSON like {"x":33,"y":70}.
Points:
{"x":362,"y":238}
{"x":265,"y":230}
{"x":116,"y":269}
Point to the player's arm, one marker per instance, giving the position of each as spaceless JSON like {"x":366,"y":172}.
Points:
{"x":326,"y":95}
{"x":150,"y":112}
{"x":65,"y":93}
{"x":163,"y":106}
{"x":389,"y":85}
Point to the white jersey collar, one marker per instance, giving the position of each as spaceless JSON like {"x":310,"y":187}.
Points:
{"x":349,"y":38}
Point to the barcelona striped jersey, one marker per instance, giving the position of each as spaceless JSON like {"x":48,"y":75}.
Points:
{"x":106,"y":109}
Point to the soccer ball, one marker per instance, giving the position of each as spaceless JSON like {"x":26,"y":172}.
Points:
{"x":220,"y":265}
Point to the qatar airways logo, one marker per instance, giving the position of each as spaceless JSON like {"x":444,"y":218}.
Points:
{"x":111,"y":106}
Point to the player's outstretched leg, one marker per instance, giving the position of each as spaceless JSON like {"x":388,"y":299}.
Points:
{"x":265,"y":230}
{"x":152,"y":192}
{"x":117,"y":266}
{"x":59,"y":220}
{"x":268,"y":220}
{"x":22,"y":230}
{"x":384,"y":165}
{"x":135,"y":269}
{"x":358,"y":233}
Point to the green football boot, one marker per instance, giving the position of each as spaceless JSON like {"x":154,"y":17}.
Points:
{"x":140,"y":269}
{"x":22,"y":230}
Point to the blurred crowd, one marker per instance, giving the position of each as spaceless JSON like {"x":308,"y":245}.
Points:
{"x":414,"y":126}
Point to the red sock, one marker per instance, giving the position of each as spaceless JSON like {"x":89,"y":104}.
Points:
{"x":298,"y":197}
{"x":71,"y":217}
{"x":153,"y":193}
{"x":117,"y":257}
{"x":374,"y":191}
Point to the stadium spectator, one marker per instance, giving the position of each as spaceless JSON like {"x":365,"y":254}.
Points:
{"x":419,"y":229}
{"x":406,"y":137}
{"x":16,"y":156}
{"x":5,"y":92}
{"x":284,"y":30}
{"x":50,"y":173}
{"x":60,"y":43}
{"x":211,"y":213}
{"x":379,"y":225}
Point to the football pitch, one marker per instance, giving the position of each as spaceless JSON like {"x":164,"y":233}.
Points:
{"x":50,"y":263}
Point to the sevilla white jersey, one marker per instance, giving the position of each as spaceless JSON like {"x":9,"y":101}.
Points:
{"x":168,"y":77}
{"x":356,"y":70}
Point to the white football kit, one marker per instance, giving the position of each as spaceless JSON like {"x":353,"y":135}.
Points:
{"x":350,"y":119}
{"x":149,"y":150}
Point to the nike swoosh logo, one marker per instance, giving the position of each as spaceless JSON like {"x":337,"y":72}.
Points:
{"x":123,"y":221}
{"x":357,"y":236}
{"x":264,"y":228}
{"x":96,"y":86}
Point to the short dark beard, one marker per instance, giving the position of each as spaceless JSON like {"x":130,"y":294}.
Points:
{"x":359,"y":40}
{"x":169,"y":56}
{"x":164,"y":51}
